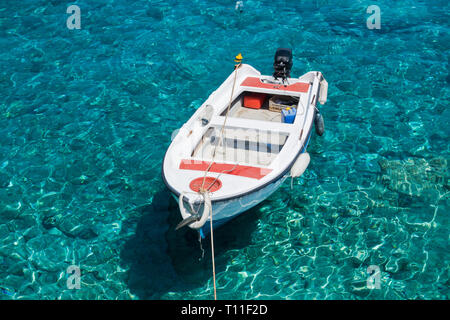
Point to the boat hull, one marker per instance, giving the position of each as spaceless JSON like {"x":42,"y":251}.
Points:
{"x":257,"y":152}
{"x":225,"y":210}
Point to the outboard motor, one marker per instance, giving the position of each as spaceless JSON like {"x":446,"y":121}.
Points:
{"x":283,"y":63}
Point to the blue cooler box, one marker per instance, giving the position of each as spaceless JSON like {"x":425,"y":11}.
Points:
{"x":288,"y":115}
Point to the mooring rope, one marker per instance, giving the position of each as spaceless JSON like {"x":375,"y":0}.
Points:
{"x":204,"y":192}
{"x":202,"y":189}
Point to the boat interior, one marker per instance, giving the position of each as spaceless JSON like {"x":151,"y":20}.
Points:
{"x":264,"y":113}
{"x":253,"y":133}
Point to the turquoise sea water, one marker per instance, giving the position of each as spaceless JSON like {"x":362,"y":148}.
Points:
{"x":86,"y":116}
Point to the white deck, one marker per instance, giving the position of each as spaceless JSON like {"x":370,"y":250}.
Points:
{"x":238,"y":145}
{"x":255,"y":114}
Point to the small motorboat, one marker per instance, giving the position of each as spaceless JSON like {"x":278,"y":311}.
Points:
{"x":243,"y":142}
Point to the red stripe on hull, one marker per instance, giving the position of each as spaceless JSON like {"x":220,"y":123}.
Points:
{"x":226,"y":168}
{"x":256,"y":83}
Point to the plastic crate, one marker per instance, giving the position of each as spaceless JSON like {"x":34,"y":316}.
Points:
{"x":278,"y":103}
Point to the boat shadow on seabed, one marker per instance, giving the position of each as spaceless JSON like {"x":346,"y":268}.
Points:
{"x":161,"y":260}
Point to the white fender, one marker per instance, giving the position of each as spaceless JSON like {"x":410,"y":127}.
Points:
{"x":205,"y":214}
{"x":323,"y":91}
{"x":300,"y":165}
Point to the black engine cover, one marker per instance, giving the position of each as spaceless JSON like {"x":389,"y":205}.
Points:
{"x":283,"y":63}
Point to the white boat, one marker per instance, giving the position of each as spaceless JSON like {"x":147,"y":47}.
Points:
{"x":243,"y":142}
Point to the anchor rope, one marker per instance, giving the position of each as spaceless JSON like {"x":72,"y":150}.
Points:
{"x":204,"y":192}
{"x":202,"y":189}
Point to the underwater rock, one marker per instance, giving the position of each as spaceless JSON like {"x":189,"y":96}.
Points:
{"x":414,"y":176}
{"x":48,"y":253}
{"x":345,"y":86}
{"x":155,"y":13}
{"x":70,"y":225}
{"x":81,"y":180}
{"x":81,"y":232}
{"x":77,"y":144}
{"x":4,"y":231}
{"x":49,"y":222}
{"x":4,"y":180}
{"x":16,"y":266}
{"x":17,"y":109}
{"x":24,"y":221}
{"x":136,"y":86}
{"x":32,"y":233}
{"x":119,"y":185}
{"x":36,"y":174}
{"x":360,"y":288}
{"x":8,"y":212}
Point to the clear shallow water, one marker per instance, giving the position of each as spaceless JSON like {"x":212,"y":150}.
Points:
{"x":86,"y":116}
